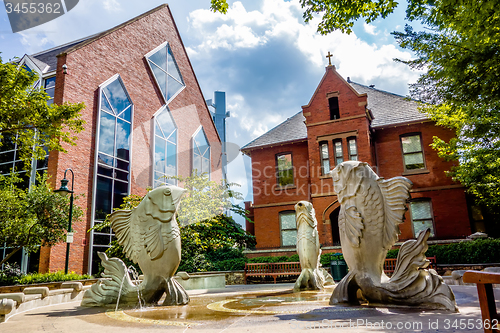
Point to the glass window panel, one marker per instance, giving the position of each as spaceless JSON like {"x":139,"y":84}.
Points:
{"x":173,"y":87}
{"x":421,"y":210}
{"x":352,"y":147}
{"x":288,"y":221}
{"x":7,"y":157}
{"x":173,"y":137}
{"x":160,"y":176}
{"x":338,"y":148}
{"x":105,"y":159}
{"x":105,"y":171}
{"x":160,"y":58}
{"x":107,"y":134}
{"x":284,"y":162}
{"x":122,"y":139}
{"x":171,"y":160}
{"x":326,"y":166}
{"x":411,"y":144}
{"x":121,"y":175}
{"x":126,"y":114}
{"x":121,"y":191}
{"x":289,"y":237}
{"x":324,"y":150}
{"x":414,"y":161}
{"x":103,"y":197}
{"x":173,"y":69}
{"x":197,"y":163}
{"x":117,"y":96}
{"x":25,"y":180}
{"x":205,"y":165}
{"x":158,"y":183}
{"x":122,"y":165}
{"x":6,"y":168}
{"x":50,"y":82}
{"x":7,"y":143}
{"x":422,"y":225}
{"x":161,"y":79}
{"x":201,"y":139}
{"x":166,"y":122}
{"x":160,"y":154}
{"x":101,"y":239}
{"x":43,"y":164}
{"x":105,"y":105}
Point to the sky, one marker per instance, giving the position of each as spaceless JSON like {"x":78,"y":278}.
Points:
{"x":261,"y":53}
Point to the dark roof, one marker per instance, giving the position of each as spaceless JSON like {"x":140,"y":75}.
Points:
{"x":387,"y":109}
{"x":292,"y":129}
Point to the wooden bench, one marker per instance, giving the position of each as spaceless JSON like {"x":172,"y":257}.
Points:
{"x":485,"y":282}
{"x":273,"y":269}
{"x":390,"y":265}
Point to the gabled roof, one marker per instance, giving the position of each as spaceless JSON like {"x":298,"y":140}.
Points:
{"x":388,"y":109}
{"x":292,"y":129}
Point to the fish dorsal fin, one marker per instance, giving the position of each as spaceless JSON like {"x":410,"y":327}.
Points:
{"x":121,"y":222}
{"x":396,"y":192}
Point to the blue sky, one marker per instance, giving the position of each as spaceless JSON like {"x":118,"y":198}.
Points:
{"x":262,"y":54}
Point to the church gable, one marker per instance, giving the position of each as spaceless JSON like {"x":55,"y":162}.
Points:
{"x":334,"y":99}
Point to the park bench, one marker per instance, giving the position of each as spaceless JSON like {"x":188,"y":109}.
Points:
{"x":485,"y":282}
{"x":390,"y":265}
{"x":273,"y":269}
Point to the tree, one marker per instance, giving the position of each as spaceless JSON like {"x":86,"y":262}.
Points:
{"x":27,"y":120}
{"x":30,"y":218}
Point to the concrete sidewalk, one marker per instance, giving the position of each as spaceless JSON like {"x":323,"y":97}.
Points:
{"x":253,"y":308}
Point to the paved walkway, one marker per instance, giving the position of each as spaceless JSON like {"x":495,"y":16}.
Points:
{"x":252,"y":308}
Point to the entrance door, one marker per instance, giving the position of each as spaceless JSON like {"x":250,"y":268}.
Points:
{"x":334,"y":220}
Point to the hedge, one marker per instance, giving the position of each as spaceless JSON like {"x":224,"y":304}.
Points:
{"x":12,"y":276}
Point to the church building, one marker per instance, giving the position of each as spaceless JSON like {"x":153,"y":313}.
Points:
{"x":146,"y":118}
{"x":349,"y":121}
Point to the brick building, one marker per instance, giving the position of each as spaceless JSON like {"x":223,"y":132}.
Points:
{"x":348,"y":121}
{"x":145,"y":115}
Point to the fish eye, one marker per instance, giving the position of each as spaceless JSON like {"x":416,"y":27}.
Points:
{"x":167,"y":191}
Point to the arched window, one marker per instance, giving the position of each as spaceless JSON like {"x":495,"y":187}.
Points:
{"x":112,"y":171}
{"x":165,"y":148}
{"x":201,"y":152}
{"x":162,"y":63}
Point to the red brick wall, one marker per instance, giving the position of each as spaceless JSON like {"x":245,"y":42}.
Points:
{"x":122,"y":52}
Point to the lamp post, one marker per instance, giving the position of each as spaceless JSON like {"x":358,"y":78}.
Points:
{"x":64,"y":190}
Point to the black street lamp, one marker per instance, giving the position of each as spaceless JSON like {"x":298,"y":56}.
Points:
{"x":64,"y":190}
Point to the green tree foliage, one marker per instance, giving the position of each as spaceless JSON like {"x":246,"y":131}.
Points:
{"x":32,"y":217}
{"x":26,"y":118}
{"x":205,"y":198}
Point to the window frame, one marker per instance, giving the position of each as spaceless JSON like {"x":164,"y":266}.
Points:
{"x":96,"y":163}
{"x":200,"y":128}
{"x":332,"y":110}
{"x":349,"y":148}
{"x":281,"y":227}
{"x":183,"y":83}
{"x":335,"y":150}
{"x":153,"y":130}
{"x":276,"y":157}
{"x":419,"y":134}
{"x":432,"y":219}
{"x":322,"y":158}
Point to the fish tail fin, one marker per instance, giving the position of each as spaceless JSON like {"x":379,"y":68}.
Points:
{"x":106,"y":291}
{"x":175,"y":294}
{"x":309,"y":279}
{"x":346,"y":290}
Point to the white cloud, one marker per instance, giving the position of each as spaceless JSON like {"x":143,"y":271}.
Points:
{"x":112,"y":5}
{"x":370,"y":29}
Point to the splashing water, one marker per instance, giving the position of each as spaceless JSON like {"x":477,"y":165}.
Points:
{"x":135,"y":281}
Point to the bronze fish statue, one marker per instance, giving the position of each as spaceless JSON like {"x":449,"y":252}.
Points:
{"x":150,"y":237}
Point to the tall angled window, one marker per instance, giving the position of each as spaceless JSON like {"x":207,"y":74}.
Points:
{"x":162,"y":63}
{"x":325,"y":158}
{"x":112,"y":177}
{"x":165,"y":153}
{"x":50,"y":87}
{"x":284,"y":166}
{"x":413,"y":153}
{"x":201,"y":152}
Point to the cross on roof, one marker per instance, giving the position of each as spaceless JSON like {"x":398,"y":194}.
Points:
{"x":329,"y":56}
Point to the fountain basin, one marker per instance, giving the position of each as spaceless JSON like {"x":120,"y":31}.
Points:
{"x":205,"y":281}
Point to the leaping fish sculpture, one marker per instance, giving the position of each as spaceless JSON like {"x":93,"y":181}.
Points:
{"x":150,"y":236}
{"x":312,"y":277}
{"x":371,"y":210}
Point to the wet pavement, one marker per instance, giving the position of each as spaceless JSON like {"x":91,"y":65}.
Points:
{"x":253,"y":308}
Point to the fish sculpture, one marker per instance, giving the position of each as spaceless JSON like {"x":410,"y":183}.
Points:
{"x":150,"y":237}
{"x":370,"y":213}
{"x":312,"y":276}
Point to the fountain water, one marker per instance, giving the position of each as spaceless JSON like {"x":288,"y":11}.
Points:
{"x":136,"y":282}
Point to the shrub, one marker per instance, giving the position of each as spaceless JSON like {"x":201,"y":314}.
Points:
{"x":33,"y":278}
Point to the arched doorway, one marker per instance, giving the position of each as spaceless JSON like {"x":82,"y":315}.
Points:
{"x":334,"y":221}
